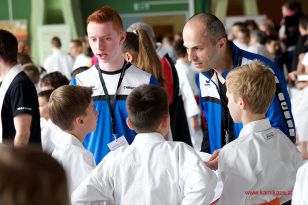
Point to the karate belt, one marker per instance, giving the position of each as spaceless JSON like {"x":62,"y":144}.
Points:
{"x":273,"y":202}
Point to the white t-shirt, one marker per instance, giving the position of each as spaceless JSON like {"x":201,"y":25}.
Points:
{"x":59,"y":61}
{"x":149,"y":171}
{"x":259,"y":166}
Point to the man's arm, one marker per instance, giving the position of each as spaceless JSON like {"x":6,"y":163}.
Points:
{"x":22,"y":124}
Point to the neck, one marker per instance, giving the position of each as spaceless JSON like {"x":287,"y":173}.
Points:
{"x":248,"y":117}
{"x":4,"y":69}
{"x":225,"y":63}
{"x":78,"y":134}
{"x":112,"y":66}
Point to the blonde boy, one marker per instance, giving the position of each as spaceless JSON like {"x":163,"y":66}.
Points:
{"x":71,"y":109}
{"x":151,"y":170}
{"x":260,"y":166}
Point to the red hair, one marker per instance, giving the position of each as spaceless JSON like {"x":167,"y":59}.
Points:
{"x":106,"y":14}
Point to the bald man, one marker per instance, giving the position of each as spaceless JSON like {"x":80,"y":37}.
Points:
{"x":214,"y":56}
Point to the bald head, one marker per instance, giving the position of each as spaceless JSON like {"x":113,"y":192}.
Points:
{"x":208,"y":24}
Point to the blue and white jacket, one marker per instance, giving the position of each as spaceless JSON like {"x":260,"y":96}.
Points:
{"x":96,"y":142}
{"x":279,"y":112}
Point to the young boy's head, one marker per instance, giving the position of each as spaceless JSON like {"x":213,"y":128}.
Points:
{"x":71,"y":108}
{"x":147,"y":108}
{"x":250,"y":87}
{"x":43,"y":98}
{"x":53,"y":80}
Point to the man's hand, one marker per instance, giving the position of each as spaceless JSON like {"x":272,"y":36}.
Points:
{"x":212,"y":163}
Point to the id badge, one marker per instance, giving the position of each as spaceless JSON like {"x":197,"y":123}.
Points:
{"x":115,"y":144}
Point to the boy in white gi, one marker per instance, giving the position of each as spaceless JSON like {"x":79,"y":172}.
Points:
{"x":150,"y":170}
{"x":71,"y":109}
{"x":260,"y":166}
{"x":300,"y":196}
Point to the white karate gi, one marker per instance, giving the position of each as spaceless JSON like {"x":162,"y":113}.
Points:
{"x":300,"y":192}
{"x":82,"y":60}
{"x":76,"y":160}
{"x":257,"y":164}
{"x":59,"y":61}
{"x":149,"y":171}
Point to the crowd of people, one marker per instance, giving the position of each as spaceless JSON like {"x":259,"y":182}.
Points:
{"x":203,"y":117}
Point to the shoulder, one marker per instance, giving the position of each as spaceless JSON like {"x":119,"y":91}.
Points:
{"x":87,"y":76}
{"x":137,"y":71}
{"x":22,"y":81}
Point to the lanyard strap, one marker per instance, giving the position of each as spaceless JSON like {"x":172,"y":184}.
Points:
{"x":114,"y":100}
{"x":227,"y":117}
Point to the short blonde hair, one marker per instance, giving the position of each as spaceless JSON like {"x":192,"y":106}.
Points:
{"x":255,"y":83}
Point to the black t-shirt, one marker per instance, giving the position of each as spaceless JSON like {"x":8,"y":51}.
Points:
{"x":21,"y":98}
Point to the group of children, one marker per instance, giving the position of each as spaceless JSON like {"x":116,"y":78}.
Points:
{"x":154,"y":171}
{"x":115,"y":98}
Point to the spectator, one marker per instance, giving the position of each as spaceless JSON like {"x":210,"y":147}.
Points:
{"x":20,"y":118}
{"x":58,"y":60}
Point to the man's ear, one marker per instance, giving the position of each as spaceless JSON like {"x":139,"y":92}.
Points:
{"x":129,"y":124}
{"x":122,"y":36}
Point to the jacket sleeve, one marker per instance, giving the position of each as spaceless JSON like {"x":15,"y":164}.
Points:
{"x":97,"y":188}
{"x":197,"y":181}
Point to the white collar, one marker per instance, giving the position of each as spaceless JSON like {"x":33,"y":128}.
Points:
{"x":149,"y":137}
{"x":255,"y":126}
{"x":67,"y":138}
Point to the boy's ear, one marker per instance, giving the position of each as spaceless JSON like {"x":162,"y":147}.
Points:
{"x":166,"y":121}
{"x":243,"y":103}
{"x":79,"y":121}
{"x":129,"y":124}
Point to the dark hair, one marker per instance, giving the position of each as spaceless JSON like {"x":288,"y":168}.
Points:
{"x":294,"y":6}
{"x":54,"y":79}
{"x":30,"y":176}
{"x":131,"y":43}
{"x":147,"y":105}
{"x":303,"y":21}
{"x":8,"y":47}
{"x":23,"y":58}
{"x":77,"y":42}
{"x":259,"y":35}
{"x":251,"y":24}
{"x":213,"y":27}
{"x":272,"y":38}
{"x":68,"y":102}
{"x":32,"y":72}
{"x":79,"y":70}
{"x":45,"y":94}
{"x":56,"y":42}
{"x":179,"y":49}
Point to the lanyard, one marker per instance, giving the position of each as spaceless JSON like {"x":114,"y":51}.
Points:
{"x":227,"y":117}
{"x":114,"y":100}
